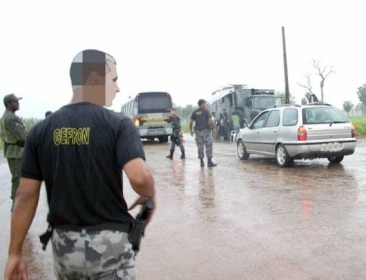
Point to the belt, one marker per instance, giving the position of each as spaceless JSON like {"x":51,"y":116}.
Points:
{"x":95,"y":228}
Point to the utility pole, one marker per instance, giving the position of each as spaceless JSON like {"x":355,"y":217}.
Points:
{"x":287,"y":96}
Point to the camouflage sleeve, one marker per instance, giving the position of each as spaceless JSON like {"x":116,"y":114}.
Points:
{"x":16,"y":129}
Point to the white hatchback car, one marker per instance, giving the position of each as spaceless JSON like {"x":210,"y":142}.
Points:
{"x":288,"y":132}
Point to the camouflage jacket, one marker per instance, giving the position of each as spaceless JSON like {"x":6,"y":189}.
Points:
{"x":13,"y":134}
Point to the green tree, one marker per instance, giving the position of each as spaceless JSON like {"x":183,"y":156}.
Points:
{"x":30,"y":122}
{"x":348,"y":106}
{"x":361,"y":93}
{"x":283,"y":97}
{"x":360,"y":108}
{"x":185,"y":112}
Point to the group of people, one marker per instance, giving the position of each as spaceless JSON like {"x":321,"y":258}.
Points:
{"x":79,"y":152}
{"x":226,"y":125}
{"x":203,"y":131}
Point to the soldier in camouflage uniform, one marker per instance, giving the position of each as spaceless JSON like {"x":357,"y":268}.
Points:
{"x":203,"y":124}
{"x":13,"y":134}
{"x":177,"y":136}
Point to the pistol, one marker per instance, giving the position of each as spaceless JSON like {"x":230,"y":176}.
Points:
{"x":138,"y":228}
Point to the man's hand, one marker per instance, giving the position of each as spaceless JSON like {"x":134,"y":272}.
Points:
{"x":16,"y":269}
{"x":141,"y":201}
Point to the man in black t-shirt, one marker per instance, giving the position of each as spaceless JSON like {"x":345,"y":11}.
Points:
{"x":79,"y":151}
{"x":203,"y":124}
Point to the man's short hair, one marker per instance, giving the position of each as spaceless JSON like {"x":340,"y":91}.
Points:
{"x":88,"y":61}
{"x":173,"y":109}
{"x":201,"y":101}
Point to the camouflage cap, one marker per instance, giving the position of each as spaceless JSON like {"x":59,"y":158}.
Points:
{"x":10,"y":98}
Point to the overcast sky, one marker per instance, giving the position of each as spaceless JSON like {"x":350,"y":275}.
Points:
{"x":186,"y":47}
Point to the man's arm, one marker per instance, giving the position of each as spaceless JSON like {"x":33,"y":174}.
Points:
{"x":25,"y":206}
{"x":140,"y":177}
{"x":16,"y":129}
{"x":191,"y":126}
{"x":142,"y":183}
{"x":212,"y":123}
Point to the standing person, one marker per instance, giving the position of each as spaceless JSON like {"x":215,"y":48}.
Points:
{"x":177,"y":136}
{"x":226,"y":124}
{"x":203,"y":125}
{"x":79,"y":151}
{"x":14,"y":134}
{"x":215,"y":134}
{"x":236,"y":121}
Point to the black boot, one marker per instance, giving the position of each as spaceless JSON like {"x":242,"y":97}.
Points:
{"x":202,"y":162}
{"x":210,"y":162}
{"x":170,"y":155}
{"x":183,"y":156}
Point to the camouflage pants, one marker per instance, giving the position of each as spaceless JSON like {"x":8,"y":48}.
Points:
{"x":99,"y":255}
{"x":204,"y":140}
{"x":14,"y":166}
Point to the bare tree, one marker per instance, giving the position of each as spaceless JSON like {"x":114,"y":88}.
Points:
{"x":308,"y":83}
{"x":323,"y":73}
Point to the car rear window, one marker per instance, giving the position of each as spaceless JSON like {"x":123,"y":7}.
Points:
{"x":318,"y":115}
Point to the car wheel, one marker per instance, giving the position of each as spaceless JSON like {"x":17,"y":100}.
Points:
{"x":242,"y":151}
{"x":335,"y":159}
{"x":283,"y":159}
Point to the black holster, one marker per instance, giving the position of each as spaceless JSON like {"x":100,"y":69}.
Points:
{"x":45,"y":237}
{"x":138,"y":228}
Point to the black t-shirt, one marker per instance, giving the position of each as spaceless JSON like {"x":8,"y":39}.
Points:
{"x":201,"y":117}
{"x":79,"y":152}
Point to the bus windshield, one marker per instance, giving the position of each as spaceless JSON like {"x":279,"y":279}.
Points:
{"x":264,"y":102}
{"x":154,"y":102}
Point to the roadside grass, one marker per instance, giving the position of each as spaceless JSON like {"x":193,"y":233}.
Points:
{"x":360,"y":125}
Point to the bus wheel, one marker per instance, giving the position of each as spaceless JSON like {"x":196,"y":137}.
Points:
{"x":163,"y":139}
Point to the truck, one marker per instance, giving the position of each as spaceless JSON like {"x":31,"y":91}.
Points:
{"x":247,"y":102}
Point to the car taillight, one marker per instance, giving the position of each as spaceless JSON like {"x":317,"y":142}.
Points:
{"x":353,"y":131}
{"x":302,"y":134}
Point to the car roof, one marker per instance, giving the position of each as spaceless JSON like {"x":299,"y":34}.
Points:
{"x":310,"y":105}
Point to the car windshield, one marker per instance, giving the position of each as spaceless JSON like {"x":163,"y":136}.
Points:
{"x":316,"y":115}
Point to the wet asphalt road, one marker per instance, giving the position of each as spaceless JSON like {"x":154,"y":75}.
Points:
{"x":238,"y":220}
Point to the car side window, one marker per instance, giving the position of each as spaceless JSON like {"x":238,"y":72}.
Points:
{"x":290,"y":117}
{"x":273,"y":119}
{"x":258,"y":123}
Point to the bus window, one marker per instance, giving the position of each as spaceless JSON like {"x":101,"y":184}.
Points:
{"x":154,"y":103}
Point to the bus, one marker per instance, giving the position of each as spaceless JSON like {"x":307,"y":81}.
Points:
{"x":247,"y":101}
{"x":150,"y":112}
